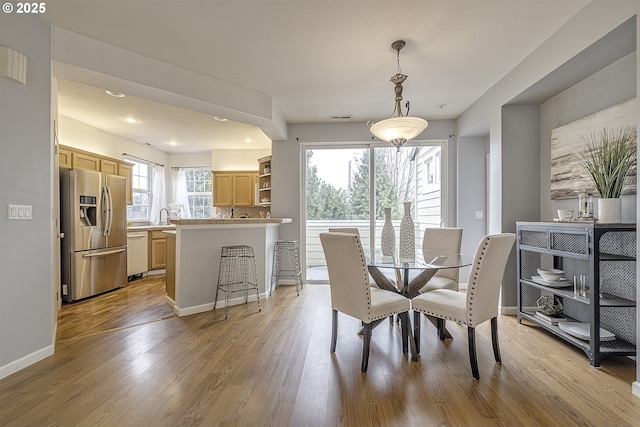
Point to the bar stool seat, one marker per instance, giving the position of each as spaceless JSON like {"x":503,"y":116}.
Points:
{"x":293,"y":249}
{"x":227,"y":275}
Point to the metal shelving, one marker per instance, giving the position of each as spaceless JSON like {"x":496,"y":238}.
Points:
{"x":606,"y":254}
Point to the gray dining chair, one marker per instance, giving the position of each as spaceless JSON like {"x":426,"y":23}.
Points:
{"x":351,"y":292}
{"x":443,"y":240}
{"x":480,"y":303}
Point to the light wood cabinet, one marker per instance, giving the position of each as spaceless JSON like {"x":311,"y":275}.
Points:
{"x":126,"y":170}
{"x":85,"y":161}
{"x":157,"y":250}
{"x":69,"y":157}
{"x":109,"y":166}
{"x":234,"y":189}
{"x":64,"y":157}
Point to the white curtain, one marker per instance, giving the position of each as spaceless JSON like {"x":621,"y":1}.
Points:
{"x":158,"y":195}
{"x":178,"y":193}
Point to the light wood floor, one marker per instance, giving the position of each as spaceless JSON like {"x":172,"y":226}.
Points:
{"x":123,"y":359}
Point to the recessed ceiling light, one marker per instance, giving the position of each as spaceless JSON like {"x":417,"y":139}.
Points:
{"x":220,"y":119}
{"x":116,"y":94}
{"x":131,"y":120}
{"x":248,"y":140}
{"x":172,"y":143}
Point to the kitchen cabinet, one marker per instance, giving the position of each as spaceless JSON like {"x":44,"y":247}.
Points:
{"x":126,"y":170}
{"x":85,"y":161}
{"x":264,"y":181}
{"x":69,"y":157}
{"x":64,"y":157}
{"x":606,"y":255}
{"x":109,"y":166}
{"x":234,"y":189}
{"x":157,"y":250}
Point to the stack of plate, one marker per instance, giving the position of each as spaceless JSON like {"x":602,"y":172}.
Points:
{"x":551,"y":277}
{"x":583,"y":331}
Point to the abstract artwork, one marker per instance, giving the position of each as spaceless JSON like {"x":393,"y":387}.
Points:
{"x":568,"y":176}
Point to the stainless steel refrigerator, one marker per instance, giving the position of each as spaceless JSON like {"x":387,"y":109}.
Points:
{"x":93,"y":218}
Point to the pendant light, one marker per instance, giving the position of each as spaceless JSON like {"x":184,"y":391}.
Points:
{"x":399,"y":128}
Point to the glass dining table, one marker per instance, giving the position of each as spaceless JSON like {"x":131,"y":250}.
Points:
{"x":407,"y":276}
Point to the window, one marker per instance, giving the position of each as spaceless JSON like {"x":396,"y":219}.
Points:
{"x":141,"y":181}
{"x":199,"y":186}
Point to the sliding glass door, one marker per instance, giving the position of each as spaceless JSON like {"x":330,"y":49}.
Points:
{"x":351,"y":187}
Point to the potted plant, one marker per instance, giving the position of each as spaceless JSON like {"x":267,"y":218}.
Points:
{"x":609,"y":158}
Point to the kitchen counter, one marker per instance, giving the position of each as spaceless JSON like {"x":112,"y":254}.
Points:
{"x":150,"y":227}
{"x":198,"y":243}
{"x":235,"y":221}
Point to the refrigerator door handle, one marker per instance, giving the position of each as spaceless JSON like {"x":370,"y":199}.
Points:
{"x":104,"y":218}
{"x":110,"y":210}
{"x":91,"y":255}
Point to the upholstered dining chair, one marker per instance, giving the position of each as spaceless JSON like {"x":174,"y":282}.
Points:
{"x":444,"y":240}
{"x":351,"y":292}
{"x":480,"y":303}
{"x":349,"y":230}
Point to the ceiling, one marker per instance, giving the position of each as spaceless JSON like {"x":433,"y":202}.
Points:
{"x":315,"y":59}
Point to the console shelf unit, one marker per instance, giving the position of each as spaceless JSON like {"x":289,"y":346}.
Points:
{"x":606,"y":254}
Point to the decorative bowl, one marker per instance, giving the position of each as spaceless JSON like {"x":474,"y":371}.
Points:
{"x":551,"y":274}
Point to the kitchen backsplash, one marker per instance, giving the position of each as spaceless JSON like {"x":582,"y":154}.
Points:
{"x":252,"y":212}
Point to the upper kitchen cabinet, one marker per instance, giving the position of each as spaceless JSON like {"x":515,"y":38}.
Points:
{"x":126,"y":170}
{"x":69,"y":158}
{"x":264,"y":181}
{"x":234,"y":189}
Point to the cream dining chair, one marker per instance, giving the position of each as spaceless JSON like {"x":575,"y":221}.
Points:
{"x":443,"y":240}
{"x":351,"y":292}
{"x":351,"y":230}
{"x":480,"y":303}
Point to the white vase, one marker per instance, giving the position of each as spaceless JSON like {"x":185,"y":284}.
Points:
{"x":388,"y":237}
{"x":407,"y":234}
{"x":610,"y":211}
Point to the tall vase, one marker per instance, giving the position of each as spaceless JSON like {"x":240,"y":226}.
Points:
{"x":407,"y":234}
{"x":388,"y":237}
{"x":610,"y":211}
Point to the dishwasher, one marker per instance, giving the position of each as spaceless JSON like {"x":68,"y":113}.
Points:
{"x":137,"y":260}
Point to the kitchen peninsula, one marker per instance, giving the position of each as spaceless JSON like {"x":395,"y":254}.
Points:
{"x":192,"y":267}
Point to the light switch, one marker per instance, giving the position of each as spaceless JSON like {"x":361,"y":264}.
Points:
{"x":23,"y":212}
{"x":479,"y":214}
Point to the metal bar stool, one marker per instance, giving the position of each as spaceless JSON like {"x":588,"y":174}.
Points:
{"x":292,"y":247}
{"x":227,"y":274}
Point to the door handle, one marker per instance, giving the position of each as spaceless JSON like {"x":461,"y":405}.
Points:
{"x":60,"y":235}
{"x":102,"y":253}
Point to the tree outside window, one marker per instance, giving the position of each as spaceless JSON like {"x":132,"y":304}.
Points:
{"x":199,"y":192}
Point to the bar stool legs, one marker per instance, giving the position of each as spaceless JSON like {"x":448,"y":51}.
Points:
{"x":227,"y":275}
{"x":292,"y":247}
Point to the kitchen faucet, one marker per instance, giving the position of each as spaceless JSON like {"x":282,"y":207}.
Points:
{"x":160,"y":216}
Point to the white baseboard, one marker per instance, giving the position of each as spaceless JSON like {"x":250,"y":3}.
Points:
{"x":509,"y":311}
{"x":209,"y":306}
{"x":23,"y":362}
{"x":635,"y":388}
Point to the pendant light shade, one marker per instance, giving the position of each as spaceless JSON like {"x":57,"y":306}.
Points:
{"x":399,"y":128}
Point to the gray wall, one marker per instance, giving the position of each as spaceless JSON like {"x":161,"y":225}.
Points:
{"x":610,"y":86}
{"x":471,"y":193}
{"x":26,"y":285}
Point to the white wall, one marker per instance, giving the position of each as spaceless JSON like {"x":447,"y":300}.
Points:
{"x":84,"y":137}
{"x":27,"y":305}
{"x":237,"y":160}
